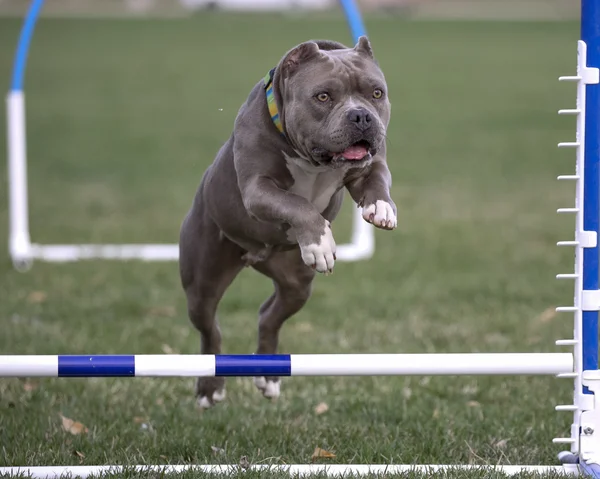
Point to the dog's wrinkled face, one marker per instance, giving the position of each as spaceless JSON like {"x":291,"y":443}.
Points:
{"x":335,"y":104}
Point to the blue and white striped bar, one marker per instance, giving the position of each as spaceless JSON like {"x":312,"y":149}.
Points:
{"x":285,"y":365}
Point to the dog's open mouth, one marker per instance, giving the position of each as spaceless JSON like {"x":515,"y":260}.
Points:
{"x":355,"y":152}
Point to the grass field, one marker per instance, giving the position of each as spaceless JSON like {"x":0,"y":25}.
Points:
{"x":123,"y":117}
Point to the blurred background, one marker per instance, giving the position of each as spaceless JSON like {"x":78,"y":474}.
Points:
{"x":423,"y":9}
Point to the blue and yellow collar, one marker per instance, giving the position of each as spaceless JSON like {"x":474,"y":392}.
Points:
{"x":271,"y":104}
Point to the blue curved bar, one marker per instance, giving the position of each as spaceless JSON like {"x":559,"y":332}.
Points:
{"x":20,"y":62}
{"x":354,"y":19}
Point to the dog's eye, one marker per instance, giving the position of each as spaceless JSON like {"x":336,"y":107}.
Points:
{"x":323,"y":97}
{"x":377,"y":93}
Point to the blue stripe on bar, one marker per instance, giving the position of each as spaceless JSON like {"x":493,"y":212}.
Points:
{"x":253,"y":365}
{"x":96,"y":366}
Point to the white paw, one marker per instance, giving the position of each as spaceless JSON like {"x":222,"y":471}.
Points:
{"x":205,"y":403}
{"x":269,"y":389}
{"x":380,"y":214}
{"x":320,"y":256}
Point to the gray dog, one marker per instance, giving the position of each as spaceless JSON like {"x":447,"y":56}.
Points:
{"x":315,"y":125}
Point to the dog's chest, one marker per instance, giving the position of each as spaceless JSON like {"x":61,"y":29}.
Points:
{"x":316,"y":185}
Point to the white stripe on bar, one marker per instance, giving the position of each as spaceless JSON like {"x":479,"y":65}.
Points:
{"x":430,"y":364}
{"x":175,"y":365}
{"x":294,"y":470}
{"x":28,"y":366}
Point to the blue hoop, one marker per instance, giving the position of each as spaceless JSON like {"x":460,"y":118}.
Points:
{"x":18,"y":73}
{"x":350,"y":8}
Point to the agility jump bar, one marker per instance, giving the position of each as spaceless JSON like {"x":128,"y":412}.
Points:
{"x":175,"y":365}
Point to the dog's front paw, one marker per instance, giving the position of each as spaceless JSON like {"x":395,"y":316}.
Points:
{"x":320,"y":256}
{"x":380,"y":214}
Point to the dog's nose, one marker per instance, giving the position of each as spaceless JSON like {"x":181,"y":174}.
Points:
{"x":360,"y":117}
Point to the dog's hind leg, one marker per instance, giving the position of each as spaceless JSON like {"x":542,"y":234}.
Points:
{"x":208,"y":263}
{"x":293,"y":284}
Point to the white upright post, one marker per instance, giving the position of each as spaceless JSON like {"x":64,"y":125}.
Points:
{"x":362,"y":244}
{"x":19,"y":241}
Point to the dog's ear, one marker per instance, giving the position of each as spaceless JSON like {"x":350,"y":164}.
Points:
{"x":363,"y":46}
{"x":299,"y":55}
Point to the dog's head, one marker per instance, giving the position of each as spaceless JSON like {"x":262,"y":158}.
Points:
{"x":333,"y":102}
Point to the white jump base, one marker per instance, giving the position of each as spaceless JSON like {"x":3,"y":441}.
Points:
{"x":362,"y":247}
{"x":295,"y":470}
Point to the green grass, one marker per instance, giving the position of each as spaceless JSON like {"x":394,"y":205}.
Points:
{"x":123,"y":117}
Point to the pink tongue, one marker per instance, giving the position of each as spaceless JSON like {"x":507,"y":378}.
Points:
{"x":355,"y":152}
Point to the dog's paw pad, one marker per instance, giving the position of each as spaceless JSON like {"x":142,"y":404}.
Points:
{"x":380,"y":214}
{"x":320,"y":256}
{"x":205,"y":403}
{"x":269,"y":389}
